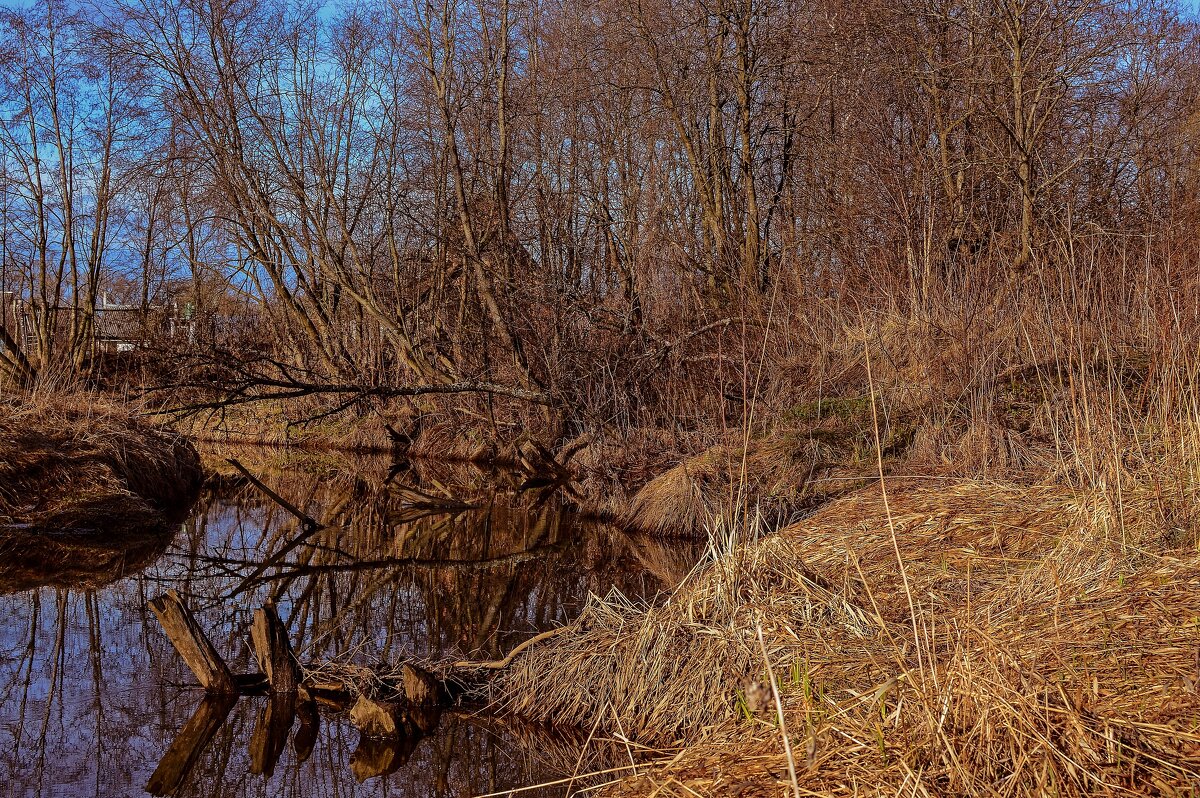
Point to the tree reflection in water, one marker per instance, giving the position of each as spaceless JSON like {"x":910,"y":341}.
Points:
{"x":92,"y":695}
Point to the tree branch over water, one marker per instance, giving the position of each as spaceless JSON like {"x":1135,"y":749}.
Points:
{"x":245,"y":394}
{"x":227,"y":382}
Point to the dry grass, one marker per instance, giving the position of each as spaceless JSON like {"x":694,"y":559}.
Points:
{"x":1047,"y":642}
{"x":85,"y":488}
{"x":819,"y":451}
{"x":276,"y":424}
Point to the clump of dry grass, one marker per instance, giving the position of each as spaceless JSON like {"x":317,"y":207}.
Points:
{"x":776,"y":478}
{"x":681,"y":500}
{"x":76,"y":462}
{"x":965,"y":637}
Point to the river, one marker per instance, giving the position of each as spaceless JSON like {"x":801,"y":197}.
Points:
{"x":426,"y":559}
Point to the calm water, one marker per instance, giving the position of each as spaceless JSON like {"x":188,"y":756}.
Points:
{"x":92,"y":695}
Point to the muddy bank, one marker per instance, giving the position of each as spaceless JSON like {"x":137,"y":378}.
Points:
{"x":88,"y":492}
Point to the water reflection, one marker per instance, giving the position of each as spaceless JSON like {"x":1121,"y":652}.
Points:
{"x":432,"y":560}
{"x":75,"y":560}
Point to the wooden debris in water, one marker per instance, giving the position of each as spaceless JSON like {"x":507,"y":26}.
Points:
{"x":540,"y":465}
{"x":396,"y":717}
{"x":392,"y":707}
{"x":340,"y":683}
{"x":418,"y":686}
{"x":375,"y":718}
{"x":192,"y":644}
{"x":271,"y":732}
{"x":273,"y":652}
{"x":306,"y":733}
{"x":500,"y":664}
{"x":376,"y":756}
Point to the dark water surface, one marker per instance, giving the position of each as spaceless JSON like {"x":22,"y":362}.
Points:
{"x":92,"y":695}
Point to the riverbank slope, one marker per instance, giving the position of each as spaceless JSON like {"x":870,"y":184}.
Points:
{"x":85,"y":485}
{"x":947,"y":638}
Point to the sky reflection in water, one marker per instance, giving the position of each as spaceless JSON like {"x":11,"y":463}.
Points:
{"x":92,"y":695}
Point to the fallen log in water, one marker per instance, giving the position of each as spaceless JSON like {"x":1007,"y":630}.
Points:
{"x":385,"y":702}
{"x":392,"y":710}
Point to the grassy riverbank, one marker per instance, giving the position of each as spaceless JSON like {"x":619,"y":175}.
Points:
{"x":949,"y":638}
{"x":97,"y":485}
{"x":966,"y":562}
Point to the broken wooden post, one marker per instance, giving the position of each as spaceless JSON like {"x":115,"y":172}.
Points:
{"x":419,"y":686}
{"x":273,"y":652}
{"x":192,"y":644}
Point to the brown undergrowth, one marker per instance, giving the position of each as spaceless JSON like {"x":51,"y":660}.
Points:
{"x":961,"y":637}
{"x":824,"y":449}
{"x":278,"y":424}
{"x":1017,"y":616}
{"x":87,"y":489}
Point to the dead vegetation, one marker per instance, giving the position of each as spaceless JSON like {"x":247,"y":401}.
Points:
{"x":980,"y":638}
{"x":1017,"y":616}
{"x":818,"y":451}
{"x":87,"y":490}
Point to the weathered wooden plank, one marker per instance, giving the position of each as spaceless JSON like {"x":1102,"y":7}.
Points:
{"x":192,"y":644}
{"x":186,"y":749}
{"x":273,"y":652}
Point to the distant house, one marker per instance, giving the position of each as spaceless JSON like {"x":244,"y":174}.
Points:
{"x":14,"y":315}
{"x":116,"y":327}
{"x":122,"y":328}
